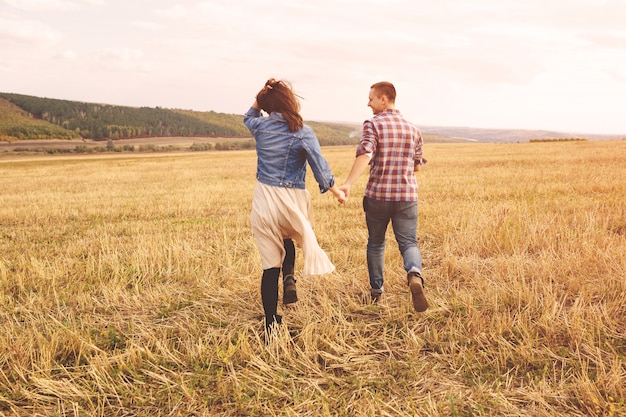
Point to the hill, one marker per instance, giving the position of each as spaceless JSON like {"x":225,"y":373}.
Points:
{"x":103,"y":121}
{"x":18,"y":124}
{"x":25,"y":117}
{"x":472,"y":134}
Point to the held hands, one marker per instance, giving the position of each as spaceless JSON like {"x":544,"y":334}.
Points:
{"x":339,"y":194}
{"x":346,"y":190}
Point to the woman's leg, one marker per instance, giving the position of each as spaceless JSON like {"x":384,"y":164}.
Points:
{"x":269,"y":295}
{"x":290,"y":258}
{"x":289,"y":281}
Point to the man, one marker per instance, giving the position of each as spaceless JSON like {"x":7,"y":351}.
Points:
{"x":392,"y":147}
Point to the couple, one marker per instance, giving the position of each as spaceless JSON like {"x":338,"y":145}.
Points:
{"x":281,"y":206}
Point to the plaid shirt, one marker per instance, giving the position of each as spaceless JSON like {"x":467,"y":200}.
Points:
{"x":396,"y":147}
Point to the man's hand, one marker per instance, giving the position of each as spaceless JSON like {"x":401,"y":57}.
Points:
{"x":346,"y":189}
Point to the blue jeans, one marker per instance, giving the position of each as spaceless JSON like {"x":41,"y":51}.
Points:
{"x":403,"y":217}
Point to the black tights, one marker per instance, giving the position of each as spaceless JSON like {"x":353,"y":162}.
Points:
{"x":269,"y":282}
{"x":269,"y":293}
{"x":290,"y":257}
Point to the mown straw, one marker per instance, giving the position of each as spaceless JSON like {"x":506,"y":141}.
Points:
{"x":129,"y":285}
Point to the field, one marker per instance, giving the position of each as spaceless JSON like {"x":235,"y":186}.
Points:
{"x":53,"y":146}
{"x":129,"y":286}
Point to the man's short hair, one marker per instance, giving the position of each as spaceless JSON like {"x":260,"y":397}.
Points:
{"x":385,"y":88}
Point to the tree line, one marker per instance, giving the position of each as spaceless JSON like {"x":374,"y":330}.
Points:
{"x":41,"y":118}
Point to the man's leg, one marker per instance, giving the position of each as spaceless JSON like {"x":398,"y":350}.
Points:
{"x":404,"y":223}
{"x":377,"y":218}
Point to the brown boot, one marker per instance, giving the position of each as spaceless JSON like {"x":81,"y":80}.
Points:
{"x":416,"y":285}
{"x":289,"y":290}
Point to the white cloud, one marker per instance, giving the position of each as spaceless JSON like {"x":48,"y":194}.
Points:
{"x":176,"y":11}
{"x":487,"y":63}
{"x":122,"y":59}
{"x":144,"y":24}
{"x":52,"y":5}
{"x":14,"y":29}
{"x":617,"y":74}
{"x":69,"y":54}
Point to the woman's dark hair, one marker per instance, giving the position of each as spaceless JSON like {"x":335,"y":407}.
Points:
{"x":277,"y":96}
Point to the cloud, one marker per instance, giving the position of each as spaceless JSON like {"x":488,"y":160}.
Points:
{"x":14,"y":29}
{"x":176,"y":12}
{"x":69,"y":55}
{"x":52,"y":5}
{"x":618,"y":75}
{"x":144,"y":24}
{"x":612,"y":39}
{"x":121,"y":59}
{"x":484,"y":62}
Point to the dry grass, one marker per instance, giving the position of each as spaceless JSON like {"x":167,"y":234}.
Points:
{"x":129,"y":286}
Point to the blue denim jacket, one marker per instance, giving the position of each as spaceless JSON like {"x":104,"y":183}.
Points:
{"x":283,"y":155}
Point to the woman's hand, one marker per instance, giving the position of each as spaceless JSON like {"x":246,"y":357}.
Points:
{"x":269,"y":85}
{"x":339,"y":194}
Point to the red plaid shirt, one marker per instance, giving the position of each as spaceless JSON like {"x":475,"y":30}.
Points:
{"x":396,"y":147}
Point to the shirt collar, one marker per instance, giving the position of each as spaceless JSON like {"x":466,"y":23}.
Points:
{"x":277,"y":116}
{"x":396,"y":111}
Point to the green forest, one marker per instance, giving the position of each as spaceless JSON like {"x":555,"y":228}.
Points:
{"x":24,"y":117}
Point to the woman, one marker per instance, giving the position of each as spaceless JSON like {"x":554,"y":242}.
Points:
{"x":281,"y":205}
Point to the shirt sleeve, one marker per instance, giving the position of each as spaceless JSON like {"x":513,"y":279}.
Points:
{"x":319,"y":165}
{"x":419,"y":149}
{"x":252,"y":118}
{"x":369,"y":139}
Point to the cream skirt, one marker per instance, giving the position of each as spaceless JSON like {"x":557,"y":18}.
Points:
{"x":279,"y":213}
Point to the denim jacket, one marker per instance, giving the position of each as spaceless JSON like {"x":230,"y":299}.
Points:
{"x":283,"y":155}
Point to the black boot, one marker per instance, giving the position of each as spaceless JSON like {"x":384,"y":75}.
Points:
{"x":272,"y":322}
{"x":289,"y":281}
{"x":269,"y":295}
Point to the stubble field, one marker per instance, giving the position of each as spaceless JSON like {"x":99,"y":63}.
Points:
{"x":129,"y":286}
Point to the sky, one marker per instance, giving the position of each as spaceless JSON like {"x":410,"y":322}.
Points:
{"x":512,"y":64}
